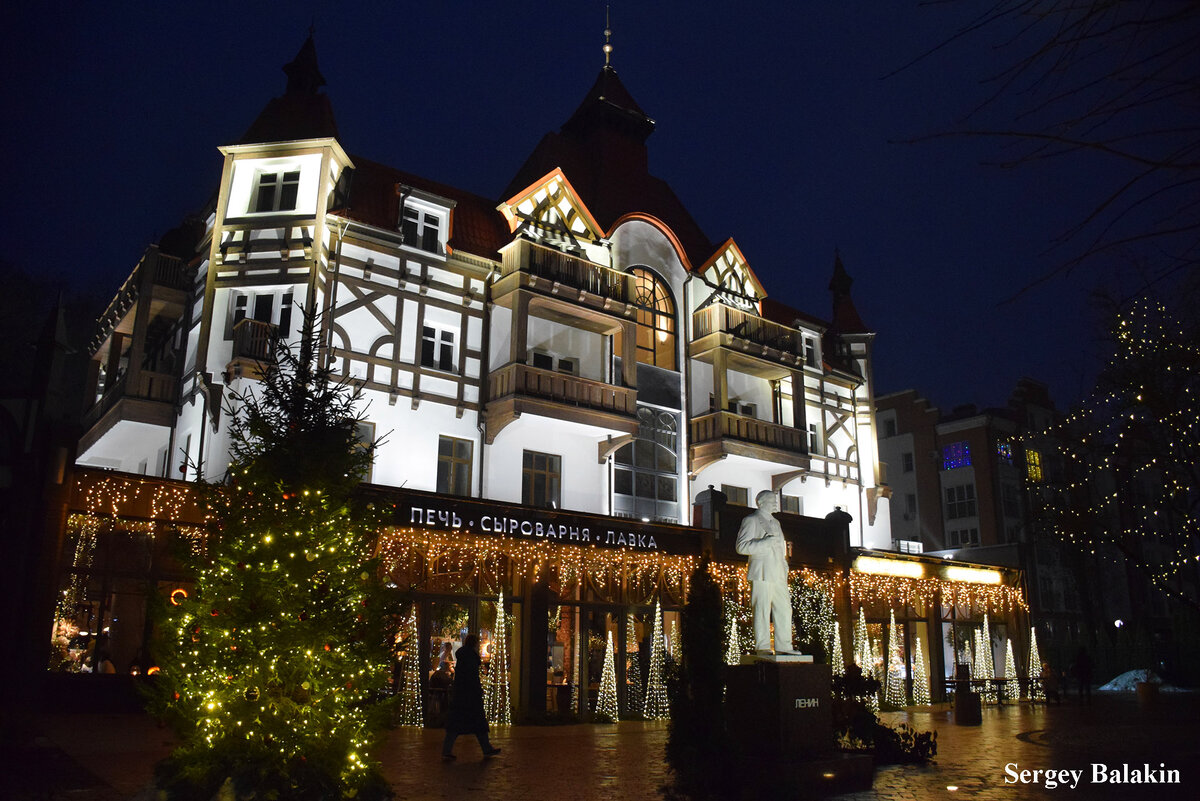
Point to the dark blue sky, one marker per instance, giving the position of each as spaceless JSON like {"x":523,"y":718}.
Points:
{"x":775,"y":126}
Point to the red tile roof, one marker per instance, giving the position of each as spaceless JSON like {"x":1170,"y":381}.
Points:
{"x":476,"y":226}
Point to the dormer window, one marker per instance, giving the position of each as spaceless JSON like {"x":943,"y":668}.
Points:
{"x":422,"y":229}
{"x":276,"y":191}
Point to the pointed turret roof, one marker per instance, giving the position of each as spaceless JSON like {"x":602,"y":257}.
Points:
{"x":303,"y":111}
{"x":845,"y":316}
{"x":601,"y":149}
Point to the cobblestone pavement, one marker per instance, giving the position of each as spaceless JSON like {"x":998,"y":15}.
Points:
{"x":111,"y":757}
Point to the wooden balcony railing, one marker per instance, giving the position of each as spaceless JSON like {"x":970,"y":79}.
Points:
{"x":581,"y":274}
{"x":154,"y":269}
{"x":163,"y":387}
{"x":727,"y":425}
{"x":252,"y":340}
{"x":569,"y":390}
{"x":723,"y":319}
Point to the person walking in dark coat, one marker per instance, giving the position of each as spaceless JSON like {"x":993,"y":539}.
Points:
{"x":466,"y":705}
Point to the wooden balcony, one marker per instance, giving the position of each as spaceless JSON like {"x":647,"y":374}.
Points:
{"x":719,"y":434}
{"x":252,"y":344}
{"x":755,"y":345}
{"x":146,"y":397}
{"x":517,"y":389}
{"x":569,"y":288}
{"x":162,"y":280}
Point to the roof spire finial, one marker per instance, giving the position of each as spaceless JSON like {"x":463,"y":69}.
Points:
{"x":608,"y":48}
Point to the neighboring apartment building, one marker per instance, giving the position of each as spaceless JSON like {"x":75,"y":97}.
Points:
{"x":574,"y":358}
{"x":972,"y":484}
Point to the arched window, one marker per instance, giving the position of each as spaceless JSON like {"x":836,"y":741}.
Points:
{"x":655,"y":319}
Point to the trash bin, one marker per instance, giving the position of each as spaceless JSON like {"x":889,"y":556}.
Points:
{"x":967,"y":709}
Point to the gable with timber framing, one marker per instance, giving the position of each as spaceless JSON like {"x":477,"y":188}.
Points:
{"x":730,"y":275}
{"x":551,"y":211}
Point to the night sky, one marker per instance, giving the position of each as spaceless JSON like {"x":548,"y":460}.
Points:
{"x":775,"y":126}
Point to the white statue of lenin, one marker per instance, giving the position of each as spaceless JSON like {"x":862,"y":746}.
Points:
{"x":761,"y":538}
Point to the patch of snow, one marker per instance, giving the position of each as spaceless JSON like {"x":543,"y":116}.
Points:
{"x":1127,"y":682}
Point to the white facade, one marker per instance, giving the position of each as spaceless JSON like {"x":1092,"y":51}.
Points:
{"x":486,"y":371}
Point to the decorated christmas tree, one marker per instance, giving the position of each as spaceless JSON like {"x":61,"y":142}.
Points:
{"x":410,"y":711}
{"x":1012,"y":689}
{"x":987,"y":668}
{"x":656,"y":707}
{"x":497,"y":702}
{"x":274,"y":667}
{"x":894,"y":691}
{"x":920,"y":677}
{"x":733,"y":645}
{"x":606,"y":701}
{"x":862,"y":646}
{"x":837,"y":661}
{"x":1034,"y":669}
{"x":676,"y":645}
{"x":633,"y":670}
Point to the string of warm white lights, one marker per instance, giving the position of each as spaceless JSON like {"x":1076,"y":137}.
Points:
{"x":606,"y":701}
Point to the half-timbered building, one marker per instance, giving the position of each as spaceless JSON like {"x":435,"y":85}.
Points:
{"x":572,"y":373}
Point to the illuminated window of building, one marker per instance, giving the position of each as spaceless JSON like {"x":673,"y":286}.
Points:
{"x":960,"y":501}
{"x":276,"y":191}
{"x":645,"y":476}
{"x":1004,"y":451}
{"x":814,"y":439}
{"x":1033,"y":465}
{"x":655,"y":318}
{"x":454,"y":466}
{"x":541,"y":479}
{"x":956,"y":454}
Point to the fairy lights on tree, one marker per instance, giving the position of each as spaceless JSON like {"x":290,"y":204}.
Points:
{"x":894,"y":690}
{"x":497,"y":702}
{"x":1133,"y":446}
{"x":733,"y":645}
{"x":862,"y":648}
{"x":410,"y":712}
{"x":606,"y":701}
{"x":983,"y":665}
{"x":1012,"y":688}
{"x":656,"y":707}
{"x":837,"y":662}
{"x":273,"y":670}
{"x":633,"y":670}
{"x":1033,"y":669}
{"x":920,"y":677}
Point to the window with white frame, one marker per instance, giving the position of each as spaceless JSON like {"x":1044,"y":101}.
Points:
{"x":276,"y":191}
{"x":422,"y":229}
{"x":810,"y":352}
{"x":270,"y":307}
{"x":437,"y":348}
{"x":814,"y":439}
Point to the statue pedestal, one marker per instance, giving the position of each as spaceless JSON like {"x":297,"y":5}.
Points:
{"x":780,"y":707}
{"x":779,"y":714}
